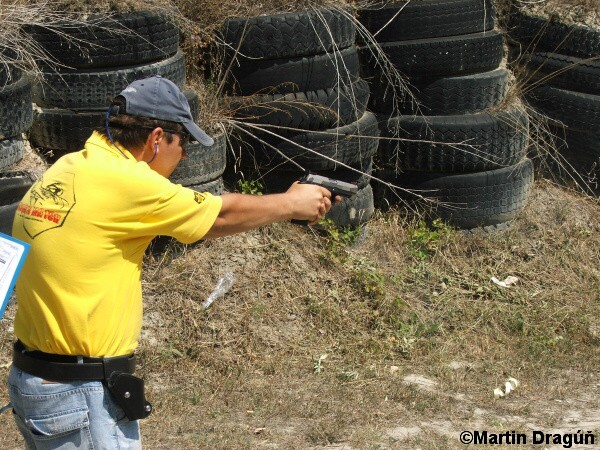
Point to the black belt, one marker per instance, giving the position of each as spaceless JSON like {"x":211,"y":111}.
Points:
{"x":69,"y":368}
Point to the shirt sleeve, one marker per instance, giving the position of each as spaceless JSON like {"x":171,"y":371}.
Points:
{"x":184,"y":214}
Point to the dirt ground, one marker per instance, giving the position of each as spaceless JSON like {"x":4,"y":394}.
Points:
{"x":371,"y":345}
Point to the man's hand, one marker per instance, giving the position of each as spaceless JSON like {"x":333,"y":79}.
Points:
{"x":309,"y":202}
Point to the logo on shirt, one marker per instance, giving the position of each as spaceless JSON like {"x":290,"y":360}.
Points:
{"x":198,"y":197}
{"x":48,"y":204}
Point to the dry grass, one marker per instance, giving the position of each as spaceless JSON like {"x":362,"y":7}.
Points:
{"x":211,"y":14}
{"x":380,"y":311}
{"x":414,"y":332}
{"x":582,"y":12}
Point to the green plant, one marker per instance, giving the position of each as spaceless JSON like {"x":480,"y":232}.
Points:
{"x":339,"y":238}
{"x":368,"y":280}
{"x":425,"y":240}
{"x":253,"y":187}
{"x":258,"y":310}
{"x":318,"y":364}
{"x":170,"y":351}
{"x":406,"y":333}
{"x":401,"y":327}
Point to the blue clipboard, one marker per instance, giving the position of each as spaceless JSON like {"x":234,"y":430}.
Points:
{"x":12,"y":257}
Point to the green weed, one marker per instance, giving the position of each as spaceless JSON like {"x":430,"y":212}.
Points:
{"x":339,"y":239}
{"x":318,"y":364}
{"x":425,"y":241}
{"x":403,"y":333}
{"x":252,"y":187}
{"x":368,"y":280}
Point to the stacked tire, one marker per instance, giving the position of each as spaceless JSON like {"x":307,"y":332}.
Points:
{"x":16,"y":115}
{"x":14,"y":185}
{"x":91,"y":64}
{"x":449,"y":138}
{"x":16,"y":112}
{"x":299,"y":104}
{"x":203,"y":168}
{"x":559,"y":67}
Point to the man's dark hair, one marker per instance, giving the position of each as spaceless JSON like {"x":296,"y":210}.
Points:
{"x":132,"y":131}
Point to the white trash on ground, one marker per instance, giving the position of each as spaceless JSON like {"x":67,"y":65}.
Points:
{"x":507,"y":282}
{"x":509,"y":386}
{"x":223,"y":285}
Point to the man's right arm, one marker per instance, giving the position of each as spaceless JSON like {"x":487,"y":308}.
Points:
{"x":243,"y":212}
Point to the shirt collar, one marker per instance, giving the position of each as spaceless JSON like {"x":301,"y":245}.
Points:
{"x":100,"y":141}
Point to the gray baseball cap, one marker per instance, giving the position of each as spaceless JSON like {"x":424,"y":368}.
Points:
{"x":159,"y":98}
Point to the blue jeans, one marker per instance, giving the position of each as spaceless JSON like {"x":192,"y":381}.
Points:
{"x":74,"y":415}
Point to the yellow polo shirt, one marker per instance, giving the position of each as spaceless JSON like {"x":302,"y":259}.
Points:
{"x":89,"y":220}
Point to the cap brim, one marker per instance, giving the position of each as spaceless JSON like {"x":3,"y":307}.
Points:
{"x":198,"y":134}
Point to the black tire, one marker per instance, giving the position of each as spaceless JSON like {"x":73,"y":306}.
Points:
{"x":7,"y":217}
{"x":588,"y":142}
{"x":202,"y":164}
{"x":455,"y":144}
{"x":565,"y":72}
{"x":436,"y":57}
{"x":14,"y":185}
{"x":94,"y":88}
{"x":400,"y":21}
{"x":215,"y":187}
{"x":117,"y":40}
{"x":353,"y":211}
{"x":308,"y":73}
{"x":11,"y":152}
{"x":62,"y":129}
{"x":583,"y":150}
{"x":348,"y":144}
{"x":16,"y":112}
{"x":289,"y":35}
{"x":443,"y":96}
{"x":579,"y":161}
{"x":545,"y":35}
{"x":275,"y":180}
{"x":194,"y":102}
{"x":577,"y":111}
{"x":313,"y":110}
{"x":9,"y":73}
{"x":471,"y":200}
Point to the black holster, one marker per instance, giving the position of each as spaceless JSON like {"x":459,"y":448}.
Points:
{"x":128,"y":392}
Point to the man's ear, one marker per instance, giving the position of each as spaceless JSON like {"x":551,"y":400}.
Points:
{"x":153,"y":138}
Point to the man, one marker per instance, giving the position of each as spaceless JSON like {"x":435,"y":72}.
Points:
{"x":89,"y":219}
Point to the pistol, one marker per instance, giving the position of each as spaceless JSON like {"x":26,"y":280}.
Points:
{"x":336,"y":187}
